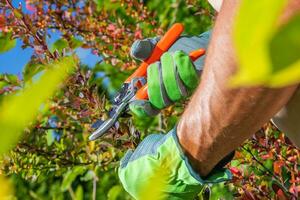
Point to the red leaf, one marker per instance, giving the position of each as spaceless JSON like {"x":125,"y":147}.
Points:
{"x":292,"y":158}
{"x":248,"y":196}
{"x":235,"y":171}
{"x":128,"y":144}
{"x":2,"y":22}
{"x":294,"y":190}
{"x":267,"y":156}
{"x":277,"y":166}
{"x":95,"y":52}
{"x":111,"y":27}
{"x":86,"y":113}
{"x":280,"y":195}
{"x":293,"y":180}
{"x":262,"y":141}
{"x":138,"y":34}
{"x":279,"y":192}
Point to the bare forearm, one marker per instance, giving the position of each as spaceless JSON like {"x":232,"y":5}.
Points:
{"x":218,"y":119}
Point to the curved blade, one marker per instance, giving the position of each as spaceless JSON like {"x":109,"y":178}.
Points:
{"x":107,"y":124}
{"x":117,"y":110}
{"x":103,"y":128}
{"x":97,"y":124}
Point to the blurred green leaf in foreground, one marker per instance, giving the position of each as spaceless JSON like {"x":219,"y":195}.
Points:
{"x":42,"y":164}
{"x":18,"y":110}
{"x":268,"y":52}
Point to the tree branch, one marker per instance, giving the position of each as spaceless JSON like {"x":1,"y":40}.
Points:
{"x":268,"y":171}
{"x":27,"y":26}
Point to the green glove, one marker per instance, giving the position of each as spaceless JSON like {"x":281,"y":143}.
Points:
{"x":159,"y":165}
{"x":171,"y":79}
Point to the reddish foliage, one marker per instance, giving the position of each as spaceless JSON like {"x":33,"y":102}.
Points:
{"x":235,"y":171}
{"x":2,"y":22}
{"x":111,"y":27}
{"x":138,"y":34}
{"x":279,"y":192}
{"x":248,"y":196}
{"x":267,"y":158}
{"x":277,"y":165}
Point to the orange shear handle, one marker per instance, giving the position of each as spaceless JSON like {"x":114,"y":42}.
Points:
{"x":162,"y":46}
{"x":142,"y":93}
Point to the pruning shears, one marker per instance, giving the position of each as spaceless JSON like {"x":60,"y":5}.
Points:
{"x":135,"y":86}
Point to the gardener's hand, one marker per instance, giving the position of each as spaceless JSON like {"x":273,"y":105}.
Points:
{"x":171,"y":79}
{"x":159,"y":169}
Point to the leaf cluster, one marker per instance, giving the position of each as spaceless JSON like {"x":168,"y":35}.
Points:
{"x":54,"y":159}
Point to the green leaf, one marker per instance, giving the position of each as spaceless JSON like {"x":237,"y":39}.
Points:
{"x":284,"y":51}
{"x":32,"y":69}
{"x":50,"y":138}
{"x":18,"y":111}
{"x":235,"y":163}
{"x":17,"y":14}
{"x":75,"y":43}
{"x":269,"y":164}
{"x":254,"y":28}
{"x":71,"y":176}
{"x":6,"y":43}
{"x":114,"y":192}
{"x":107,"y":5}
{"x":3,"y":84}
{"x":9,"y":80}
{"x":59,"y":45}
{"x":79,"y":193}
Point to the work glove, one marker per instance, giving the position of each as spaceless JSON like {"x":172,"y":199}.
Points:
{"x":159,"y":169}
{"x":171,"y":79}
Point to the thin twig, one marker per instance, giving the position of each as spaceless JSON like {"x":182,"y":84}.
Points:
{"x":72,"y":194}
{"x":57,"y":128}
{"x":95,"y":187}
{"x":50,"y":155}
{"x":268,"y":171}
{"x":23,"y":20}
{"x":265,"y":148}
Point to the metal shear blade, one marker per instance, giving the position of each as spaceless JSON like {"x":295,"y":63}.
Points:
{"x":117,"y":110}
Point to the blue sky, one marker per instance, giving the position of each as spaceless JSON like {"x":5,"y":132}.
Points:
{"x":13,"y":61}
